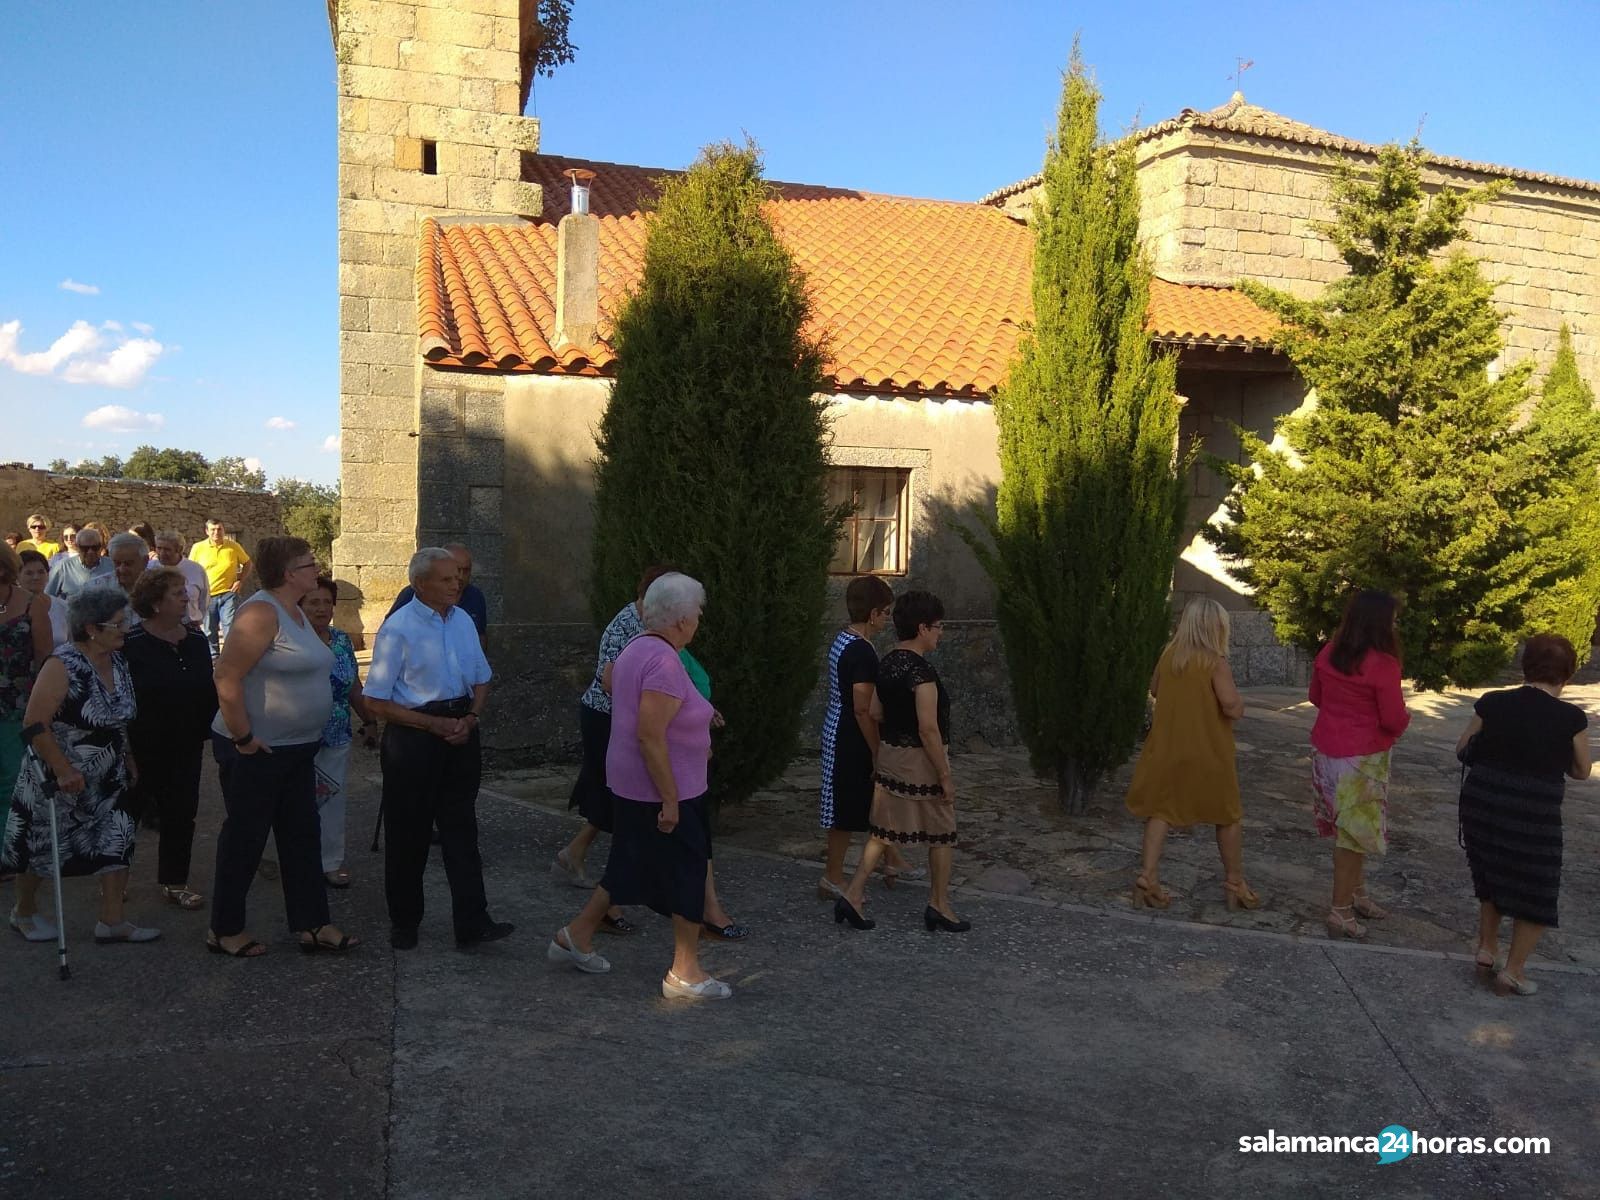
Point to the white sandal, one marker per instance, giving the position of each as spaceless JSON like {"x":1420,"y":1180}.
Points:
{"x":592,"y":963}
{"x":125,"y":931}
{"x":708,"y":988}
{"x":33,"y":928}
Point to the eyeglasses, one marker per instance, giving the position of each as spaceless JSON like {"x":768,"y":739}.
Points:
{"x":40,"y":525}
{"x":303,"y":566}
{"x":119,"y":626}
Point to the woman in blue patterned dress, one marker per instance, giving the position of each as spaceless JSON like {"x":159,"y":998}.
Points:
{"x":333,"y":760}
{"x":77,"y":730}
{"x":850,"y":732}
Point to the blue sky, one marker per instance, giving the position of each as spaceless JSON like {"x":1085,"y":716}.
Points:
{"x":179,"y":160}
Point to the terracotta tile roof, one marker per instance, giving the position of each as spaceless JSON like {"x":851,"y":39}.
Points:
{"x":1238,"y":116}
{"x":912,"y":296}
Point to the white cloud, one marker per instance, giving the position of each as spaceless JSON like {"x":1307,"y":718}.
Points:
{"x":141,"y":327}
{"x":282,"y":423}
{"x":331,"y":443}
{"x":79,"y":355}
{"x":111,"y":326}
{"x":252,"y":464}
{"x":117,"y":418}
{"x":83,"y":289}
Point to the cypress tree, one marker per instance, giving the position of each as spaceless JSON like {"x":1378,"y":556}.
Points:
{"x":1090,"y":505}
{"x":1407,"y":473}
{"x":711,"y":455}
{"x":1564,"y":467}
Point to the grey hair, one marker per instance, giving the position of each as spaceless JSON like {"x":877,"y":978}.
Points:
{"x":422,"y":562}
{"x":94,"y":533}
{"x":170,"y":535}
{"x":93,"y":606}
{"x":672,"y":598}
{"x":127,"y":541}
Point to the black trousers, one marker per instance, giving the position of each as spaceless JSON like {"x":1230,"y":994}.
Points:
{"x":169,"y":785}
{"x":268,"y":793}
{"x":426,"y":783}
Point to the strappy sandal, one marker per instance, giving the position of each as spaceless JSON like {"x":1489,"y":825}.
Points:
{"x":1148,"y":895}
{"x":183,"y":897}
{"x":1366,"y":907}
{"x":250,"y":949}
{"x":315,"y":944}
{"x":726,"y":933}
{"x":1342,"y":922}
{"x":1239,"y":895}
{"x":620,"y":926}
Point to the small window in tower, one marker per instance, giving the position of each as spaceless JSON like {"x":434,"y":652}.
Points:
{"x":430,"y":158}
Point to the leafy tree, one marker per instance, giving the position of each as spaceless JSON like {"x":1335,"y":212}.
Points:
{"x":1407,"y":473}
{"x":711,"y":455}
{"x":555,"y":45}
{"x":1564,"y":461}
{"x":231,"y":471}
{"x":109,"y":467}
{"x":311,"y":511}
{"x":1090,"y":505}
{"x":168,"y":466}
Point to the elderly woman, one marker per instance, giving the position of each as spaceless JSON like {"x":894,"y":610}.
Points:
{"x":1518,"y":746}
{"x":274,"y":701}
{"x":33,"y":575}
{"x":1186,"y":773}
{"x":76,"y":729}
{"x":656,"y":770}
{"x":914,"y":798}
{"x":334,"y":758}
{"x":24,"y":643}
{"x":170,"y":663}
{"x":1355,"y":684}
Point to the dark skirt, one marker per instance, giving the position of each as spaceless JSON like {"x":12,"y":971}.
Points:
{"x":1511,"y":829}
{"x":590,"y":796}
{"x":666,"y":872}
{"x":852,"y":795}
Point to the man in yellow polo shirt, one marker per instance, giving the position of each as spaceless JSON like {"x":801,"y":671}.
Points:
{"x":39,"y":537}
{"x":227,"y":566}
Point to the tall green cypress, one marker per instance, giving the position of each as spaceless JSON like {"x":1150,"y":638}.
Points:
{"x":1408,"y":473}
{"x":1564,"y":468}
{"x":711,"y":455}
{"x":1090,"y":505}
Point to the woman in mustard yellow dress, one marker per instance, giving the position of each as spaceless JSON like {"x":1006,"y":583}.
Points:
{"x":1185,"y":775}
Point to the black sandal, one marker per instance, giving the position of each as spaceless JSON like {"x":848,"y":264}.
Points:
{"x":250,"y":949}
{"x":620,"y":926}
{"x":726,"y":933}
{"x":317,"y":946}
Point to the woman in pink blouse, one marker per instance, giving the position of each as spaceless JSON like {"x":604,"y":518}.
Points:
{"x":1355,"y":685}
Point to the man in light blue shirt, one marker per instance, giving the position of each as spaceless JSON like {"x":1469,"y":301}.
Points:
{"x":71,"y":575}
{"x":428,"y":683}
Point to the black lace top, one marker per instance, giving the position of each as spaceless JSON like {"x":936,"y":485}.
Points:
{"x":899,"y":674}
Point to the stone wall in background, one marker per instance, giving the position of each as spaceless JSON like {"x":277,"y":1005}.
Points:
{"x":119,"y":503}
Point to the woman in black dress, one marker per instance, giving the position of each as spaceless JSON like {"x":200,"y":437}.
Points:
{"x":1518,"y":746}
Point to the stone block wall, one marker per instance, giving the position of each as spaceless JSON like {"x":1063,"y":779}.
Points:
{"x":119,"y":503}
{"x":430,"y":125}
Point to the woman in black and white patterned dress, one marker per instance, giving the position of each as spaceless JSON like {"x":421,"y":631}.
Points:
{"x":76,"y":727}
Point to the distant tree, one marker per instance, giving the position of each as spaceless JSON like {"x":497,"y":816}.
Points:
{"x":1408,"y":473}
{"x":310,"y":510}
{"x":109,"y":467}
{"x":168,"y":466}
{"x":1564,"y":462}
{"x":1090,"y":505}
{"x":711,"y":455}
{"x":57,"y":465}
{"x":231,"y":471}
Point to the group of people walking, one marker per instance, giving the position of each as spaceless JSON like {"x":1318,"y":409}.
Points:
{"x":1517,"y":750}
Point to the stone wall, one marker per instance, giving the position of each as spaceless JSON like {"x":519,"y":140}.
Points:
{"x":119,"y":503}
{"x":430,"y":124}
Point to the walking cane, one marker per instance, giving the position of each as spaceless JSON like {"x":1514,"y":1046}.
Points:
{"x":47,"y":784}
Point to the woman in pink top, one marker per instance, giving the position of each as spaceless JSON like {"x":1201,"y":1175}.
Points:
{"x":1355,"y":685}
{"x":656,"y":770}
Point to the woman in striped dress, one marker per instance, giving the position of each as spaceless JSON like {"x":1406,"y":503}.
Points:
{"x":1519,"y":745}
{"x":850,"y":732}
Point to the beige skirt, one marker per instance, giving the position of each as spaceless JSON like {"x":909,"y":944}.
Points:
{"x":908,"y":805}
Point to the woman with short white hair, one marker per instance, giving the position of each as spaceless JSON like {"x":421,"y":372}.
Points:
{"x":656,"y":768}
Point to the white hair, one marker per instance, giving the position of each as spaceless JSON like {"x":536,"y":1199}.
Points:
{"x":672,"y":598}
{"x":422,"y":562}
{"x":169,"y":535}
{"x":127,"y":541}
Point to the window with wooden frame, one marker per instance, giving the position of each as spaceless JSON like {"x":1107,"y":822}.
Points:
{"x":875,"y":539}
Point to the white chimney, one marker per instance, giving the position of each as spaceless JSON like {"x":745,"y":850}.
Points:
{"x":577,"y":269}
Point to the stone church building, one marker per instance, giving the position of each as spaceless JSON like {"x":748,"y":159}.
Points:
{"x":478,"y":282}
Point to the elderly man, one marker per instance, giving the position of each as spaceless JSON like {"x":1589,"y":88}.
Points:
{"x":129,"y":557}
{"x":70,"y":575}
{"x":227,"y":566}
{"x":473,"y":602}
{"x":39,"y":537}
{"x":169,"y":553}
{"x":428,"y":683}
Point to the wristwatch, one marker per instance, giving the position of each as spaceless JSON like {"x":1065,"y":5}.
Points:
{"x":245,"y":740}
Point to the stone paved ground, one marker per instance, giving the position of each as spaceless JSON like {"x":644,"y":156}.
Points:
{"x":1015,"y":840}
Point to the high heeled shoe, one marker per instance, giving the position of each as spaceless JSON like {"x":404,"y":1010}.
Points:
{"x":1341,"y":925}
{"x":1366,"y":907}
{"x":844,"y":911}
{"x":936,"y":920}
{"x":1239,"y":895}
{"x":1148,"y":895}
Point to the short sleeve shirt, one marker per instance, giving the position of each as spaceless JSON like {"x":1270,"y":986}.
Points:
{"x":221,"y":563}
{"x":624,"y":627}
{"x":858,"y":663}
{"x":900,"y":673}
{"x":420,"y":657}
{"x":1528,"y":732}
{"x":650,"y":664}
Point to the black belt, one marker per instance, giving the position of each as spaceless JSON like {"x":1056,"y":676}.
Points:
{"x":459,"y":707}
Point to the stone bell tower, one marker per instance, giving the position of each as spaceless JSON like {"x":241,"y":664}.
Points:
{"x":431,"y":94}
